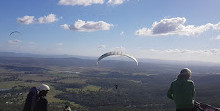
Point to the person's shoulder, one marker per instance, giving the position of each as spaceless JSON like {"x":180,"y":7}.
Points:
{"x":174,"y":82}
{"x":190,"y":81}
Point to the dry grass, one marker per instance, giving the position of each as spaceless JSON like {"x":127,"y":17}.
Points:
{"x":86,"y":88}
{"x":10,"y":84}
{"x":35,"y":77}
{"x":73,"y":81}
{"x":142,"y":74}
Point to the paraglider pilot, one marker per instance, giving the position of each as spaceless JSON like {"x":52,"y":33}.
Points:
{"x":67,"y":108}
{"x":116,"y":86}
{"x":182,"y":91}
{"x":36,"y":100}
{"x":41,"y":104}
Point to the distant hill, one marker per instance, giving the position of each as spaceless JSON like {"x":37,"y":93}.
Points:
{"x":154,"y":61}
{"x":14,"y":54}
{"x":163,"y":67}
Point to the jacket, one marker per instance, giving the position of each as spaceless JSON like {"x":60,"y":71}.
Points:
{"x":41,"y":104}
{"x":182,"y":91}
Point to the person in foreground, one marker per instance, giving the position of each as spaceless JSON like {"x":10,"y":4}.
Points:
{"x":41,"y":104}
{"x":67,"y":108}
{"x":182,"y":91}
{"x":36,"y":100}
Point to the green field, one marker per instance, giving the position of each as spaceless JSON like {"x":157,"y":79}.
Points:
{"x":93,"y":88}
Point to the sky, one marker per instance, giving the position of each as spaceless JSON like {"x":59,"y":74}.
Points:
{"x":187,"y":30}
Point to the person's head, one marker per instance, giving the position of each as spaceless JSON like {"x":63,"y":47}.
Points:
{"x":185,"y":73}
{"x":66,"y":106}
{"x":43,"y":89}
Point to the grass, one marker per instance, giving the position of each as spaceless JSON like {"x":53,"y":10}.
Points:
{"x":3,"y":70}
{"x":86,"y":88}
{"x":73,"y":81}
{"x":62,"y":74}
{"x":52,"y":93}
{"x":142,"y":74}
{"x":51,"y":97}
{"x":10,"y":84}
{"x":91,"y":88}
{"x":36,"y":77}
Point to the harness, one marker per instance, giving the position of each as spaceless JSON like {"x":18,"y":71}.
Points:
{"x":204,"y":107}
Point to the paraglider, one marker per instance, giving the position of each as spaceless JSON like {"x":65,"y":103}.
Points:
{"x":116,"y":53}
{"x":116,"y":86}
{"x":14,"y":32}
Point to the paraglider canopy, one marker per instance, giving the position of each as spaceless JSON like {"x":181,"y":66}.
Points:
{"x":116,"y":53}
{"x":14,"y":32}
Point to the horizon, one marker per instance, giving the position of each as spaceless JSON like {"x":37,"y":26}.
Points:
{"x":115,"y":57}
{"x":162,"y":30}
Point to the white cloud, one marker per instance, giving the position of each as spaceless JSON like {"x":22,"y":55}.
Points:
{"x":116,"y":2}
{"x":80,"y":2}
{"x":120,"y":48}
{"x":47,"y":19}
{"x":206,"y":55}
{"x":26,"y":20}
{"x":65,"y":26}
{"x":14,"y":41}
{"x":101,"y":47}
{"x":41,"y":20}
{"x":217,"y":26}
{"x":173,"y":26}
{"x":32,"y":43}
{"x":218,"y":37}
{"x":59,"y":44}
{"x":188,"y":52}
{"x":122,"y":33}
{"x":88,"y":26}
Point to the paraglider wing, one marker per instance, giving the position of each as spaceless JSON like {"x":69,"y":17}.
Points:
{"x":15,"y":32}
{"x":116,"y":53}
{"x":116,"y":86}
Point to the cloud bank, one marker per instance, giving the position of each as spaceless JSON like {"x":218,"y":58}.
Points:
{"x":59,"y":44}
{"x":175,"y":26}
{"x":218,"y":37}
{"x":14,"y":41}
{"x":217,"y":26}
{"x":119,"y":48}
{"x":80,"y":2}
{"x":205,"y":55}
{"x":102,"y":47}
{"x":89,"y":26}
{"x":122,"y":33}
{"x":26,"y":20}
{"x":116,"y":2}
{"x":41,"y":20}
{"x":186,"y":51}
{"x":90,"y":2}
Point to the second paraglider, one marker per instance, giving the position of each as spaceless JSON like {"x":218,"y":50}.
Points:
{"x":14,"y":32}
{"x":116,"y":53}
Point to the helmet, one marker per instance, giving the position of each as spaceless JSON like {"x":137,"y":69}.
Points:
{"x":186,"y":71}
{"x":43,"y":87}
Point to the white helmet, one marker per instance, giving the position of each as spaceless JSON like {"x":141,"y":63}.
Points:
{"x":186,"y":71}
{"x":43,"y":87}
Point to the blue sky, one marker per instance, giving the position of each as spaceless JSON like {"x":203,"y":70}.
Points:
{"x":187,"y":30}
